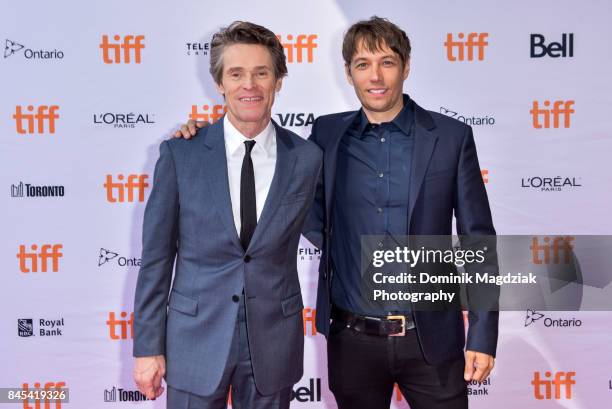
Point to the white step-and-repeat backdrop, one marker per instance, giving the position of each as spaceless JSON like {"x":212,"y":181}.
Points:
{"x":90,"y":89}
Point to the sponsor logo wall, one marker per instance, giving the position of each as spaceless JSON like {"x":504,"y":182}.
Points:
{"x":535,"y":92}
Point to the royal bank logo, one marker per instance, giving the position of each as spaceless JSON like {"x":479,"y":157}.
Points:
{"x":472,"y":120}
{"x":126,"y":120}
{"x":533,"y":316}
{"x":108,"y":256}
{"x":551,"y":184}
{"x":14,"y":48}
{"x":115,"y":394}
{"x":476,"y":388}
{"x":25,"y":327}
{"x":46,"y":327}
{"x":28,"y":190}
{"x":198,"y":49}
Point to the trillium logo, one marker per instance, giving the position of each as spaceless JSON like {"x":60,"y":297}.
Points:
{"x":471,"y":120}
{"x":11,"y":47}
{"x":532,"y":316}
{"x":106,"y":256}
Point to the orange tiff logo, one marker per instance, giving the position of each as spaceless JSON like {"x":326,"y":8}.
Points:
{"x":207,"y":116}
{"x":460,"y":50}
{"x":559,"y":109}
{"x":45,"y":114}
{"x":120,"y":328}
{"x":116,"y":191}
{"x":131,"y":46}
{"x":560,"y":244}
{"x":485,"y":175}
{"x":309,"y":315}
{"x":44,"y":403}
{"x":296,"y":46}
{"x":542,"y":388}
{"x":29,"y":261}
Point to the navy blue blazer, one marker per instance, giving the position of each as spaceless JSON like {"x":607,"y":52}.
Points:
{"x":445,"y":178}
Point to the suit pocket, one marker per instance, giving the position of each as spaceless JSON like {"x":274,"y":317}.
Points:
{"x":182,"y":303}
{"x":292,"y":305}
{"x":293,"y":198}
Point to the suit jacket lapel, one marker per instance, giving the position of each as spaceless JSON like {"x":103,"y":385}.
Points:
{"x":215,"y":163}
{"x":424,"y":144}
{"x":331,"y":158}
{"x":283,"y":174}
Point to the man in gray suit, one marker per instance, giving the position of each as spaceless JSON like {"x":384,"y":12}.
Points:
{"x":229,"y":206}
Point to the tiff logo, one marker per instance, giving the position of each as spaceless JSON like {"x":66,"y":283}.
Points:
{"x":125,"y":326}
{"x":115,"y":191}
{"x":460,"y":50}
{"x":485,"y":175}
{"x":296,"y":46}
{"x":45,"y":115}
{"x":309,"y":316}
{"x":211,"y":117}
{"x":560,"y":108}
{"x":44,"y":403}
{"x":559,"y":244}
{"x":561,"y":381}
{"x":28,"y":261}
{"x":131,"y":45}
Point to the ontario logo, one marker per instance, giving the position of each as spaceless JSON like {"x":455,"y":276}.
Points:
{"x":14,"y":48}
{"x":533,"y":316}
{"x":472,"y":120}
{"x":108,"y":256}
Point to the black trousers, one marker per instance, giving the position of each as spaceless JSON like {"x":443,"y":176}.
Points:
{"x":364,"y":368}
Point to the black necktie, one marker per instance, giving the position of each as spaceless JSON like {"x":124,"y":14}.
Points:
{"x":248,"y":206}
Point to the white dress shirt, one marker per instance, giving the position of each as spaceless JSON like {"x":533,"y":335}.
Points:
{"x":264,"y":163}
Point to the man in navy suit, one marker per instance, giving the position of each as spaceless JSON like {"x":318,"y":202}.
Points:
{"x":229,"y":208}
{"x":391,"y":169}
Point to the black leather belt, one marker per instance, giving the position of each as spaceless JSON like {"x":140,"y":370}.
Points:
{"x":391,"y":325}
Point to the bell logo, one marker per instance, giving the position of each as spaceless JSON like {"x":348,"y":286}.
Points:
{"x":124,"y":325}
{"x":44,"y":403}
{"x":217,"y":113}
{"x":45,"y":114}
{"x":539,"y":49}
{"x":28,"y":261}
{"x":542,"y":388}
{"x":456,"y":49}
{"x":131,"y":45}
{"x":309,"y":315}
{"x":296,"y":45}
{"x":559,"y":108}
{"x":115,"y":191}
{"x":559,"y":244}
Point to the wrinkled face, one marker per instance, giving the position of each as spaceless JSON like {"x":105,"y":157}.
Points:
{"x":378,"y":78}
{"x":248,"y":83}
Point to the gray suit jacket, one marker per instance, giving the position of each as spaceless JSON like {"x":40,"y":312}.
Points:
{"x":189,"y":217}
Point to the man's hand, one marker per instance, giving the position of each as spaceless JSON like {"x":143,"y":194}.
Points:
{"x":478,"y":366}
{"x":189,"y":129}
{"x":148,"y":373}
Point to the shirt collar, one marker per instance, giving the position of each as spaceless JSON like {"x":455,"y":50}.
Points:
{"x":403,"y":120}
{"x":234,"y":140}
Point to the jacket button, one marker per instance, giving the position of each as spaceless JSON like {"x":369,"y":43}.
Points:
{"x":235,"y":298}
{"x":247,"y":258}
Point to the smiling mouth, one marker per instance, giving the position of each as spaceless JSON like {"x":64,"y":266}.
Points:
{"x":250,"y":99}
{"x":377,"y":91}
